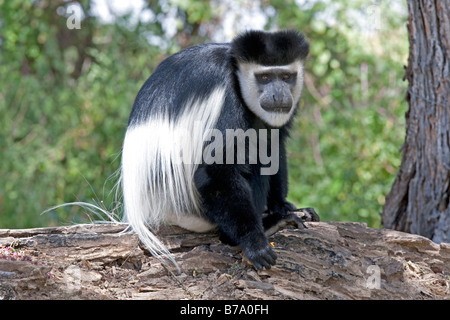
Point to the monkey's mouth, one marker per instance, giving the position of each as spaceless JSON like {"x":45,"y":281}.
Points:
{"x":277,"y":109}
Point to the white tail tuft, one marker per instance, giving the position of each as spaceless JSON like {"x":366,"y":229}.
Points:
{"x":159,"y":160}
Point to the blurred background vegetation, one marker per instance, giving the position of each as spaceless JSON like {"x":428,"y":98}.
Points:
{"x":70,"y":70}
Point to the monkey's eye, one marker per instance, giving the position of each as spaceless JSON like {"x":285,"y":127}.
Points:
{"x":263,"y":78}
{"x":289,"y":77}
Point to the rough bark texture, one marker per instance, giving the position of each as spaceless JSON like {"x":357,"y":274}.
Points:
{"x":325,"y":261}
{"x":419,"y":199}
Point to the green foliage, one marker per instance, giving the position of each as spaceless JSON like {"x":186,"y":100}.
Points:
{"x":60,"y":137}
{"x":66,"y":95}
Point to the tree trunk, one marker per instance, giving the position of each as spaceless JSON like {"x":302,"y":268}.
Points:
{"x":419,"y":199}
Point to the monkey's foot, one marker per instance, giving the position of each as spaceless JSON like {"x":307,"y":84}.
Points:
{"x":296,"y":218}
{"x":307,"y":214}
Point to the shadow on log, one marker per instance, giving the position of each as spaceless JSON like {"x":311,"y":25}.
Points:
{"x":326,"y":261}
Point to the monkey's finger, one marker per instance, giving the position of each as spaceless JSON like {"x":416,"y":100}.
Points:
{"x":263,"y":260}
{"x":307,"y":214}
{"x":313,"y":216}
{"x":261,"y":263}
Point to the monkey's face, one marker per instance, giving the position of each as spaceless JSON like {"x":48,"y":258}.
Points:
{"x":271,"y":92}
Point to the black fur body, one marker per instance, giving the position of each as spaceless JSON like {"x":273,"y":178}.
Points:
{"x":234,"y":197}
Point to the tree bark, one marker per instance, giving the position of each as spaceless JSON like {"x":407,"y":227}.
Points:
{"x":419,"y":200}
{"x":328,"y":260}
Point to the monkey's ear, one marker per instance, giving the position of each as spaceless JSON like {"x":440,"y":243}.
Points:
{"x":270,"y":48}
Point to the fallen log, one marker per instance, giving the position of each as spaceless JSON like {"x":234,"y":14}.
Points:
{"x":328,"y":260}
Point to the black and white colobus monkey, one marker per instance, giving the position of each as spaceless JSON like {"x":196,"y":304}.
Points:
{"x":169,"y":176}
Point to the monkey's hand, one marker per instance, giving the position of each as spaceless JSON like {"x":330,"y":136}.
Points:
{"x":258,"y":250}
